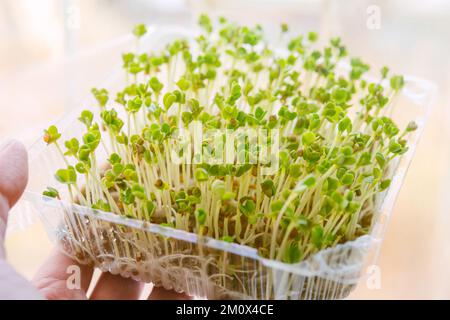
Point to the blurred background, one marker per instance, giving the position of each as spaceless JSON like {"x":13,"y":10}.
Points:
{"x":53,"y":51}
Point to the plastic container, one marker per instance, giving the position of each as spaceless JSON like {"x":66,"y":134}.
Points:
{"x":180,"y":260}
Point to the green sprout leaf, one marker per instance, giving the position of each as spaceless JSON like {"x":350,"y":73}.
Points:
{"x":66,"y":176}
{"x":268,"y":188}
{"x":81,"y":167}
{"x":201,"y":175}
{"x":139,"y":30}
{"x":292,"y":253}
{"x":306,"y":183}
{"x":412,"y":126}
{"x":397,"y":83}
{"x":313,"y":36}
{"x":247,"y":206}
{"x":51,"y":135}
{"x":200,"y":215}
{"x":308,"y":138}
{"x":114,"y":158}
{"x":72,"y":146}
{"x":228,"y":239}
{"x":101,"y":95}
{"x":86,"y":117}
{"x":385,"y":184}
{"x":155,"y":84}
{"x":183,"y":84}
{"x":317,"y":236}
{"x":168,"y":100}
{"x":218,"y":188}
{"x":51,"y":192}
{"x":205,"y":22}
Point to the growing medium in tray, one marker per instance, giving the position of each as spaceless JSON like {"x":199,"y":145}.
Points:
{"x":312,"y":149}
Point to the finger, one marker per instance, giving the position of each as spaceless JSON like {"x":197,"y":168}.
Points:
{"x":115,"y":287}
{"x":4,"y":208}
{"x":159,"y":293}
{"x":15,"y":287}
{"x":61,"y":278}
{"x":13,"y":171}
{"x":13,"y":179}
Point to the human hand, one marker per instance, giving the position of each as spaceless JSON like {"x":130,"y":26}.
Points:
{"x":50,"y":281}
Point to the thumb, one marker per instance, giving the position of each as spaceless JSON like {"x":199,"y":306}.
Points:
{"x":13,"y":179}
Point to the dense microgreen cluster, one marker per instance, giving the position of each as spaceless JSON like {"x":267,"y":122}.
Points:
{"x":336,"y":154}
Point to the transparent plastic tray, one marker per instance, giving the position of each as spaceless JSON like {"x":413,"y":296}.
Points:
{"x":182,"y":261}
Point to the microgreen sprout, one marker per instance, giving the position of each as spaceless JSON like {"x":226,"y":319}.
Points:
{"x":337,"y":151}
